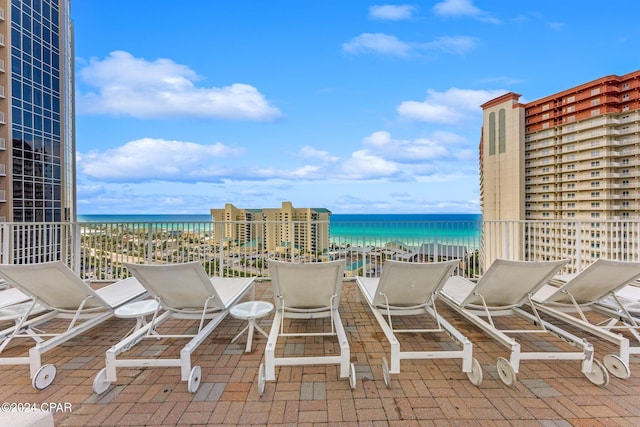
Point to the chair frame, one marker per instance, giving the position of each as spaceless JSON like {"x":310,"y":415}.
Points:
{"x":436,"y":275}
{"x":90,"y":312}
{"x":333,"y":270}
{"x":477,"y":308}
{"x":566,"y":304}
{"x":212,"y":312}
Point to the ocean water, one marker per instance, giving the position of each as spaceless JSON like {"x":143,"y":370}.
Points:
{"x":359,"y":229}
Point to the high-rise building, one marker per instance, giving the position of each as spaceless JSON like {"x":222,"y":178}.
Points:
{"x":571,"y":156}
{"x":37,"y":147}
{"x":286,"y":229}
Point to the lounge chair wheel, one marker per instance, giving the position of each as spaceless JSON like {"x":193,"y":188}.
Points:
{"x":44,"y":377}
{"x":616,"y":366}
{"x":385,"y":372}
{"x":506,"y":372}
{"x":194,"y":379}
{"x":262,"y":379}
{"x":598,"y":375}
{"x":352,"y":376}
{"x":100,"y":383}
{"x":475,"y":376}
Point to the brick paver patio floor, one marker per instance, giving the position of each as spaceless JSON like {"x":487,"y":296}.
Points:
{"x":425,"y":392}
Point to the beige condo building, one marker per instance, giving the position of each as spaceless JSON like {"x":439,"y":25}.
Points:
{"x":285,"y":229}
{"x":571,"y":159}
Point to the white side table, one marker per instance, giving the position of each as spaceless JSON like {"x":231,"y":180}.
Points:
{"x":251,"y":310}
{"x":138,"y":310}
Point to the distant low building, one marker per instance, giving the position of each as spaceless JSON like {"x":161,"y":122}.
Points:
{"x":288,"y":230}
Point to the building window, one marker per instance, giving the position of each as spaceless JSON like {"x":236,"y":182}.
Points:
{"x":595,"y":204}
{"x":571,"y":99}
{"x":502,"y":129}
{"x":595,"y":91}
{"x":595,"y":174}
{"x":492,"y":134}
{"x":595,"y":194}
{"x":595,"y":112}
{"x":595,"y":184}
{"x":596,"y":163}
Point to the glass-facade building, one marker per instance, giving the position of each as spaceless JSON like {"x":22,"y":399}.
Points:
{"x":37,"y":147}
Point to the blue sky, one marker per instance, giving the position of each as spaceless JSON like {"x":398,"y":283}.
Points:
{"x":355,"y":106}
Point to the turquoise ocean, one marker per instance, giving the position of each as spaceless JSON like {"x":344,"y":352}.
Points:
{"x":366,"y":229}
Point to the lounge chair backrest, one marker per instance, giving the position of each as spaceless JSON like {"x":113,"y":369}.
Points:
{"x":411,"y":283}
{"x":307,"y":285}
{"x":596,"y":281}
{"x":53,"y":284}
{"x":178,"y":286}
{"x":507,"y":283}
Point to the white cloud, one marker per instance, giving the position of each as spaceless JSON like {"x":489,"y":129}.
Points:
{"x":162,"y":88}
{"x":449,"y":107}
{"x":385,"y":44}
{"x":150,"y":159}
{"x":364,"y":165}
{"x":377,"y":43}
{"x":310,"y":152}
{"x":456,"y":8}
{"x":458,"y":45}
{"x":155,"y":161}
{"x":403,"y":150}
{"x":392,"y":12}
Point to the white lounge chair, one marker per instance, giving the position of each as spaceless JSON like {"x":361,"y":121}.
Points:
{"x":11,"y":296}
{"x":587,"y":291}
{"x":502,"y":291}
{"x":306,"y":291}
{"x":411,"y":289}
{"x":54,"y":287}
{"x":185,"y":292}
{"x":16,"y":306}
